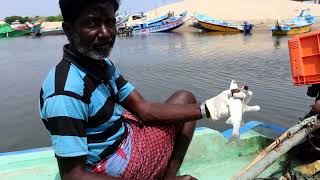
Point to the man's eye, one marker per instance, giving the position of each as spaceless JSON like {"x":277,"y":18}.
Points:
{"x":91,"y":23}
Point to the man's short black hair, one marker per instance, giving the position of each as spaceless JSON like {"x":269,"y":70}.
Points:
{"x":71,"y":9}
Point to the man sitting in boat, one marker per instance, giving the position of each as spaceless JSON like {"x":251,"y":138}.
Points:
{"x":81,"y":100}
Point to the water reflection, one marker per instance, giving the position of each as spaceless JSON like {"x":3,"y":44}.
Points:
{"x":247,"y":38}
{"x":277,"y":42}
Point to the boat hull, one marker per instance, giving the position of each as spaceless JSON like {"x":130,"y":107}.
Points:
{"x":208,"y":155}
{"x":19,"y":33}
{"x":292,"y":31}
{"x":165,"y":25}
{"x":215,"y":27}
{"x":4,"y":35}
{"x":161,"y":28}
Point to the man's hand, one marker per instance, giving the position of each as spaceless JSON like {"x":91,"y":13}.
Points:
{"x":218,"y":106}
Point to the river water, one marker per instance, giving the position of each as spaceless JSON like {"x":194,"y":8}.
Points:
{"x":157,"y":65}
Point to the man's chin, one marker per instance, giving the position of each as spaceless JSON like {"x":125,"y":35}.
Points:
{"x":96,"y":55}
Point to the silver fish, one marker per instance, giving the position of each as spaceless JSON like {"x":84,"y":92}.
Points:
{"x":236,"y":110}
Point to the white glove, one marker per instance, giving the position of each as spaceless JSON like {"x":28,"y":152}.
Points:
{"x":247,"y":108}
{"x":218,"y":106}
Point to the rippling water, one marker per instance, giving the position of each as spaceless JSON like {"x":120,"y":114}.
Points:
{"x":157,"y":65}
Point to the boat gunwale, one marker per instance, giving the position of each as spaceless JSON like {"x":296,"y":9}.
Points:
{"x":244,"y":129}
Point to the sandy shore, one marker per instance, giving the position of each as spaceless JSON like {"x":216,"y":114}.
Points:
{"x":51,"y":25}
{"x":259,"y":12}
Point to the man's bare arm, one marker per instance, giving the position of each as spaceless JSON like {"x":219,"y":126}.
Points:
{"x":160,"y":112}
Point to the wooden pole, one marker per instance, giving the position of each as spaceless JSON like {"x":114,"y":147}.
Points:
{"x":279,"y":147}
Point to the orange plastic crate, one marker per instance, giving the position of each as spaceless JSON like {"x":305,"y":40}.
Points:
{"x":305,"y":58}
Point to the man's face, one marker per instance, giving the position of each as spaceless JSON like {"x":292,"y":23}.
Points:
{"x":93,"y":33}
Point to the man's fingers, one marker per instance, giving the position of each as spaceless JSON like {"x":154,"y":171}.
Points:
{"x":239,"y":95}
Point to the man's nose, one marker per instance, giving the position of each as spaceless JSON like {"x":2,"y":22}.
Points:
{"x":104,"y":33}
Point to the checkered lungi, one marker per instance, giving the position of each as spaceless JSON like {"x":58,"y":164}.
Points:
{"x":144,"y":154}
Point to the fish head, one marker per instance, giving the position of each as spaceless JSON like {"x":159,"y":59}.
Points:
{"x":233,"y":85}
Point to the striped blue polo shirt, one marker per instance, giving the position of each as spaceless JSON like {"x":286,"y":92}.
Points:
{"x":79,"y":105}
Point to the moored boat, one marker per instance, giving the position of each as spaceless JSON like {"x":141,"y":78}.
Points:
{"x":17,"y":33}
{"x":20,"y":29}
{"x":5,"y":29}
{"x":160,"y":24}
{"x":297,"y":25}
{"x":17,"y":29}
{"x":212,"y":24}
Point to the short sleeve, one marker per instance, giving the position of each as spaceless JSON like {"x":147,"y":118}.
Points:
{"x":124,"y":88}
{"x":66,"y":117}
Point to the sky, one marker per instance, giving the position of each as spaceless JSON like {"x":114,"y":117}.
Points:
{"x":51,"y":7}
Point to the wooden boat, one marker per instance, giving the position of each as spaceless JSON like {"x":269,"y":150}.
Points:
{"x":20,"y":29}
{"x":5,"y":29}
{"x":208,"y":155}
{"x":212,"y":24}
{"x":296,"y":25}
{"x":17,"y":30}
{"x":17,"y":33}
{"x":160,"y":24}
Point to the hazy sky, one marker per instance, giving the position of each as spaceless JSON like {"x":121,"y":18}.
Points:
{"x":51,"y":7}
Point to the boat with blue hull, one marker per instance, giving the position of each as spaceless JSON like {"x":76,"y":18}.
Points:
{"x":297,"y":25}
{"x":160,"y":24}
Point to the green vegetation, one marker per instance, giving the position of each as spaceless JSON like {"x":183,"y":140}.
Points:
{"x":11,"y":19}
{"x":25,"y":19}
{"x":54,"y":18}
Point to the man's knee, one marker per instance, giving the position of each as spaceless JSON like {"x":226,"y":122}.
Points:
{"x":182,"y":97}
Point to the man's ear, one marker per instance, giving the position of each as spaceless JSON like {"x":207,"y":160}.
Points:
{"x":67,"y":28}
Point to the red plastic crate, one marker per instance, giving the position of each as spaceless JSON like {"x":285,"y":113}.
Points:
{"x":305,"y":58}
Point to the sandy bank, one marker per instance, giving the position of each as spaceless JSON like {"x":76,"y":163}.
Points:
{"x":51,"y":25}
{"x":259,"y":12}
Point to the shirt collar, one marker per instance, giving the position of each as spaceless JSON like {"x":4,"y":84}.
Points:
{"x":93,"y":67}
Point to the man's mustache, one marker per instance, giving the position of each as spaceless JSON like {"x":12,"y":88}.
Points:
{"x":102,"y":44}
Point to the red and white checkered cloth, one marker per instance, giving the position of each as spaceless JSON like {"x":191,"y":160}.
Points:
{"x":152,"y":147}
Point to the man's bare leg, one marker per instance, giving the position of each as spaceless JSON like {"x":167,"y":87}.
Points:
{"x":184,"y":133}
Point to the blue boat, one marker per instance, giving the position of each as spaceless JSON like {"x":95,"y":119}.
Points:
{"x":164,"y":23}
{"x":296,"y":25}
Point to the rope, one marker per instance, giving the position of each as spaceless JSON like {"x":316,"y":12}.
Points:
{"x":312,"y":144}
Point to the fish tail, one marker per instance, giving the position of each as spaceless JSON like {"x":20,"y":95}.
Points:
{"x":235,"y":138}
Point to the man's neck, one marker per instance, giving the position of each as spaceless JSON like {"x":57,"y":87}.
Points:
{"x":85,"y":59}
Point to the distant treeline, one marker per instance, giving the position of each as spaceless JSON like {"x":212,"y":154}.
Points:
{"x":25,"y":19}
